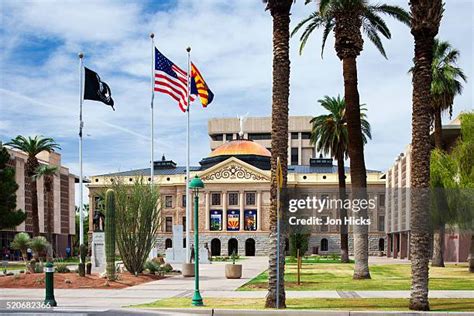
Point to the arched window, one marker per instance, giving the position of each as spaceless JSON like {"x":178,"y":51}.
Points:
{"x":250,"y":247}
{"x":324,"y":244}
{"x":381,"y":244}
{"x":168,"y":243}
{"x":233,"y":246}
{"x":215,"y":247}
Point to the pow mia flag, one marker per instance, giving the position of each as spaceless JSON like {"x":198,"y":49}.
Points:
{"x":95,"y":89}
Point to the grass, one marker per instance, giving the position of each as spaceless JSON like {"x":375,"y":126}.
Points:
{"x":315,"y":260}
{"x":15,"y":266}
{"x":324,"y":276}
{"x":353,"y":304}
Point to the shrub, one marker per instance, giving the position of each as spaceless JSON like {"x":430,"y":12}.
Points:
{"x":62,"y":268}
{"x":38,"y":245}
{"x":21,"y":242}
{"x":151,"y":266}
{"x":166,"y":268}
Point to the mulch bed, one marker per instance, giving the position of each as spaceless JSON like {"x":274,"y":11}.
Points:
{"x":74,"y":281}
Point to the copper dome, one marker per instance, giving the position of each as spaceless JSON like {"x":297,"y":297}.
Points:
{"x":240,"y":147}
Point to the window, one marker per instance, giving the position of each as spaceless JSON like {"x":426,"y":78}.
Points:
{"x":217,"y":137}
{"x":169,"y":224}
{"x":324,"y":244}
{"x":259,"y":136}
{"x":324,"y":227}
{"x":250,"y":198}
{"x":184,"y":223}
{"x":294,"y":156}
{"x":215,"y":199}
{"x":294,"y":135}
{"x":382,"y":200}
{"x":168,"y":201}
{"x":233,"y":198}
{"x":183,"y":200}
{"x":229,"y":137}
{"x":381,"y":224}
{"x":168,"y":243}
{"x":306,"y":135}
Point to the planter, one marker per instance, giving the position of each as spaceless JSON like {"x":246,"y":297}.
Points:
{"x":233,"y":271}
{"x":187,"y":270}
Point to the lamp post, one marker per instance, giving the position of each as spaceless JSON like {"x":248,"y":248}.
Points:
{"x":196,"y":184}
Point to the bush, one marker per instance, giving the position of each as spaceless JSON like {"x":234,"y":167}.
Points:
{"x":21,"y":242}
{"x":166,"y":268}
{"x":38,"y":245}
{"x":38,"y":268}
{"x":298,"y":241}
{"x":152,"y":267}
{"x":62,"y":268}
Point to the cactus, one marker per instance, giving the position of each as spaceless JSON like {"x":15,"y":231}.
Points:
{"x":110,"y":233}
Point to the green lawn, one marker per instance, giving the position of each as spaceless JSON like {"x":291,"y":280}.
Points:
{"x":333,"y":276}
{"x":317,"y":303}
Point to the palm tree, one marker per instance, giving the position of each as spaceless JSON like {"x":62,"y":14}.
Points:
{"x":348,"y":19}
{"x":32,"y":147}
{"x":329,"y":133}
{"x":280,"y":11}
{"x":425,"y":20}
{"x":47,"y":173}
{"x":445,"y":85}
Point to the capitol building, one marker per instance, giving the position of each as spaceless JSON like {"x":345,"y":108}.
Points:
{"x":235,"y":203}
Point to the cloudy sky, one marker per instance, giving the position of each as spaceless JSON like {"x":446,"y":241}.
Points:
{"x":231,"y":44}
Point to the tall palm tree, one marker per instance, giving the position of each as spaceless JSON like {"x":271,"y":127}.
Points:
{"x":280,"y":11}
{"x":425,"y":20}
{"x":445,"y":85}
{"x":329,"y":133}
{"x":47,"y":173}
{"x":348,"y":19}
{"x":32,"y":147}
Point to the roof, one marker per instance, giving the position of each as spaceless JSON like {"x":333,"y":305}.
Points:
{"x":319,"y":169}
{"x":240,"y":147}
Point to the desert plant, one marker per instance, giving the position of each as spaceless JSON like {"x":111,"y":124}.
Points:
{"x":139,"y":211}
{"x":233,"y":257}
{"x":21,"y":242}
{"x":110,"y":233}
{"x":62,"y":268}
{"x":38,"y":245}
{"x":151,"y":266}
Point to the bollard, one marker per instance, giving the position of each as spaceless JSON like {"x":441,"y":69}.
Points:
{"x":49,"y":284}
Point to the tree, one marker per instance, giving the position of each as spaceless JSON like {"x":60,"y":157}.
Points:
{"x":47,"y":173}
{"x":9,"y":215}
{"x":21,"y":242}
{"x":299,"y":241}
{"x":32,"y":147}
{"x":348,"y":19}
{"x":425,"y":20}
{"x":139,"y":218}
{"x":38,"y":245}
{"x":280,"y":12}
{"x":445,"y":85}
{"x":329,"y":133}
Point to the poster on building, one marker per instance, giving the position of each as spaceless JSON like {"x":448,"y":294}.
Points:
{"x":250,"y":220}
{"x":233,"y":220}
{"x":216,"y":220}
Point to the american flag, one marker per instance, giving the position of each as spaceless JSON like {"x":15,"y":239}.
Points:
{"x":171,"y":79}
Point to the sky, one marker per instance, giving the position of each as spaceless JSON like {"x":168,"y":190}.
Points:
{"x":231,"y":44}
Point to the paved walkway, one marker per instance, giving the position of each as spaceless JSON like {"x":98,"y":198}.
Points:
{"x":212,"y":283}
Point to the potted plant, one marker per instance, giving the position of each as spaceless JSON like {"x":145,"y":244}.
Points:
{"x":233,"y":271}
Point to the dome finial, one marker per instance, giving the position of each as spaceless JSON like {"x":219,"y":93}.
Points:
{"x":242,"y":119}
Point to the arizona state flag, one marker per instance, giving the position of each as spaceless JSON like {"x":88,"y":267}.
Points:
{"x":199,"y":87}
{"x":95,"y":89}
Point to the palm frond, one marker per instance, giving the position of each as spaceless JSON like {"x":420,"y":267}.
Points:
{"x":373,"y":36}
{"x":394,"y":11}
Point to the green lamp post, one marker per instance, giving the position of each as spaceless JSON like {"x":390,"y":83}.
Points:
{"x":196,"y":184}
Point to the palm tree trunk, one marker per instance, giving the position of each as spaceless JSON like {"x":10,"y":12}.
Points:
{"x":420,"y":170}
{"x":50,"y":210}
{"x":31,"y":165}
{"x":438,"y":238}
{"x":471,"y":255}
{"x":280,"y":11}
{"x":357,"y":164}
{"x":343,"y":212}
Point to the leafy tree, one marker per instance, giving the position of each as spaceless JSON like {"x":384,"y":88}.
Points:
{"x":21,"y":242}
{"x":299,"y":241}
{"x":138,"y":216}
{"x":9,"y":215}
{"x":425,"y":20}
{"x":329,"y":133}
{"x":348,"y":19}
{"x":32,"y":147}
{"x":280,"y":12}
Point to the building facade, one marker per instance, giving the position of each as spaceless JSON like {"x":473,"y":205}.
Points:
{"x":63,"y":214}
{"x":258,"y":129}
{"x":398,"y":207}
{"x":235,"y":203}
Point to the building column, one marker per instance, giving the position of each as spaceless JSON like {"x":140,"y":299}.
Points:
{"x":395,"y":245}
{"x":389,"y":245}
{"x":241,"y":204}
{"x":300,"y":151}
{"x":207,"y":212}
{"x":403,"y":245}
{"x":224,"y":211}
{"x":259,"y":210}
{"x":289,"y":148}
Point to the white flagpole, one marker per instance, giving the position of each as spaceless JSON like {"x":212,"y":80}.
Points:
{"x":188,"y":210}
{"x":81,"y":125}
{"x":152,"y":160}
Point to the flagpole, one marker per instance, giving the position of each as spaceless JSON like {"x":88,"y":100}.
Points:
{"x":152,"y":164}
{"x":188,"y":212}
{"x":81,"y":125}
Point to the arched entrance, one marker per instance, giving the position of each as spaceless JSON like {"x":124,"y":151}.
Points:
{"x":381,"y":244}
{"x":168,"y":243}
{"x":250,"y":247}
{"x":215,"y":247}
{"x":233,"y":246}
{"x":324,"y":244}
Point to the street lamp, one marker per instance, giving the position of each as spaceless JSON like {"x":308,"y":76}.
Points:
{"x":196,"y":184}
